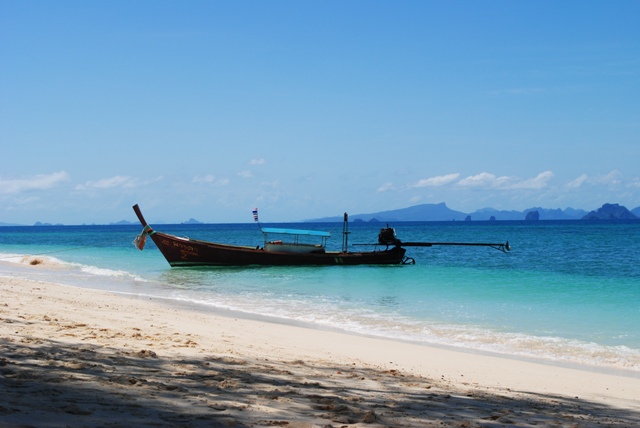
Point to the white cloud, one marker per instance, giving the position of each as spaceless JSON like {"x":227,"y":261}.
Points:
{"x":491,"y":181}
{"x":578,"y":181}
{"x":538,"y":182}
{"x":257,"y":161}
{"x":612,"y":178}
{"x":440,"y":180}
{"x":36,"y":182}
{"x":245,"y":174}
{"x":386,"y":187}
{"x":118,"y":181}
{"x":484,"y":179}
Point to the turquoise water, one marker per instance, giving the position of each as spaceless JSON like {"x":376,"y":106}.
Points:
{"x":569,"y":292}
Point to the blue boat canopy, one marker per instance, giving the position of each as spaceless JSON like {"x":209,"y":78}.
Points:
{"x":296,"y":232}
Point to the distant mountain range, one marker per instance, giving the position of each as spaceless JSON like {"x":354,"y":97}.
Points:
{"x":440,"y":212}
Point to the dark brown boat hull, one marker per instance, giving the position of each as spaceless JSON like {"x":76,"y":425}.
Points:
{"x":182,"y":252}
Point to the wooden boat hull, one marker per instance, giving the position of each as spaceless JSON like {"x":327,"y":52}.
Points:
{"x":183,"y":252}
{"x":191,"y":252}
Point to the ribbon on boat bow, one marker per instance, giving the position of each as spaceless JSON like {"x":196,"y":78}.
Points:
{"x":142,"y":238}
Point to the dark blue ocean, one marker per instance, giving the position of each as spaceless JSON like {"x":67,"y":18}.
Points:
{"x":568,"y":292}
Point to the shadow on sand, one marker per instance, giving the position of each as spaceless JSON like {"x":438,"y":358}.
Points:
{"x":52,"y":384}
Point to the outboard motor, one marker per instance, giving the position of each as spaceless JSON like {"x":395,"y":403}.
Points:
{"x":387,"y":236}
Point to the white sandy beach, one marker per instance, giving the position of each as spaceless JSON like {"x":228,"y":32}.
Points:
{"x":79,"y":357}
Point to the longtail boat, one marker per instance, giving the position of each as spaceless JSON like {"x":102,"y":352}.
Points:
{"x":288,"y":251}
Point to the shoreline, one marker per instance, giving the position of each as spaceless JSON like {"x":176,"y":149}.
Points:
{"x":205,"y":308}
{"x":45,"y":266}
{"x":555,"y":351}
{"x":107,"y":355}
{"x":230,"y":313}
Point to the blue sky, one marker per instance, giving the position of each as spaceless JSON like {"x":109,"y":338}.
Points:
{"x":208,"y":109}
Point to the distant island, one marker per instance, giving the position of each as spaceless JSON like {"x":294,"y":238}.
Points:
{"x":192,"y":221}
{"x":440,"y":212}
{"x":611,"y":212}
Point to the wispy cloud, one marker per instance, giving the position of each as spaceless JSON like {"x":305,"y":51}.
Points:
{"x":538,"y":182}
{"x":386,"y":187}
{"x":245,"y":174}
{"x":118,"y":181}
{"x":257,"y":161}
{"x":491,"y":181}
{"x":578,"y":182}
{"x":611,"y":179}
{"x":211,"y":179}
{"x":485,"y":179}
{"x":437,"y":181}
{"x":36,"y":182}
